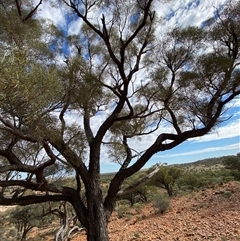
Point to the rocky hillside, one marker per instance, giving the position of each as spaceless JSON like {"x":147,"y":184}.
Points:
{"x":210,"y":214}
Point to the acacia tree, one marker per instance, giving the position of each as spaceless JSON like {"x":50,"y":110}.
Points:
{"x":120,"y":82}
{"x":233,"y":163}
{"x":166,"y":178}
{"x":28,"y":217}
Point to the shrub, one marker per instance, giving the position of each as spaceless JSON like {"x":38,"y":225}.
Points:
{"x":122,"y":210}
{"x":192,"y":180}
{"x":233,"y":163}
{"x":228,"y":193}
{"x":161,"y":202}
{"x":138,"y":207}
{"x":189,"y":180}
{"x":12,"y":232}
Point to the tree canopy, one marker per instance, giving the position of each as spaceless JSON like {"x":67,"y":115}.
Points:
{"x":116,"y":81}
{"x":233,"y":163}
{"x":166,"y":178}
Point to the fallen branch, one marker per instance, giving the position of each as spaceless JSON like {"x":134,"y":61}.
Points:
{"x":73,"y":229}
{"x":139,"y":182}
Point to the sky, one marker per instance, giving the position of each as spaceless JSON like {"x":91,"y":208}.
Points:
{"x":221,"y":141}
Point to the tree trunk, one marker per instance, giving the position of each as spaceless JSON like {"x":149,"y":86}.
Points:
{"x":24,"y":235}
{"x":25,"y":232}
{"x":97,"y":222}
{"x":93,"y":216}
{"x":169,"y":190}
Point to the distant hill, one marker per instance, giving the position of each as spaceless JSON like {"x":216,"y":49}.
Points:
{"x":215,"y":162}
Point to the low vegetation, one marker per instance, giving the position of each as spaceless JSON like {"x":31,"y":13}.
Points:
{"x":161,"y":202}
{"x":175,"y":180}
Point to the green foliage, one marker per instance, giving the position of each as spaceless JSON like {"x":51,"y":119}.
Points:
{"x":122,"y":210}
{"x":136,"y":235}
{"x":190,"y":180}
{"x":140,"y":193}
{"x":204,"y":163}
{"x":27,"y":74}
{"x":166,"y":178}
{"x":27,"y":217}
{"x":161,"y":202}
{"x":202,"y":178}
{"x":137,"y":195}
{"x":62,"y":112}
{"x":107,"y":177}
{"x":233,"y":163}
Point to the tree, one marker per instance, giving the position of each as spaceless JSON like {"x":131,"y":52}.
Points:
{"x":120,"y":81}
{"x":135,"y":190}
{"x":233,"y":163}
{"x":28,"y":217}
{"x":166,"y":178}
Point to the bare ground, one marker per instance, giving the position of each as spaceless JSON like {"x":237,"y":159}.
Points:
{"x":211,"y":214}
{"x":207,"y":215}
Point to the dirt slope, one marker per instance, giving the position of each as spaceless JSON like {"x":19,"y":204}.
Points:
{"x":211,"y":215}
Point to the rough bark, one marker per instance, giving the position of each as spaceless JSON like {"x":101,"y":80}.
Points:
{"x":97,"y":221}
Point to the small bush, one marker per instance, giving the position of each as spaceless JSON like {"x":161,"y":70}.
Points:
{"x":122,"y":210}
{"x":136,"y":235}
{"x":12,"y":232}
{"x":161,"y":202}
{"x":138,"y":207}
{"x":227,"y":193}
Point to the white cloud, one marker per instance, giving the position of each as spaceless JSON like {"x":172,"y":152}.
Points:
{"x":229,"y":131}
{"x":55,"y":14}
{"x":234,"y":103}
{"x":75,"y":27}
{"x":186,"y":12}
{"x":197,"y":152}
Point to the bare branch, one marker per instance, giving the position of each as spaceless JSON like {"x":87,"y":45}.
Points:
{"x":11,"y":157}
{"x":18,"y":167}
{"x":32,"y":199}
{"x":18,"y":7}
{"x":174,"y":120}
{"x":13,"y":130}
{"x":32,"y":12}
{"x":139,"y":182}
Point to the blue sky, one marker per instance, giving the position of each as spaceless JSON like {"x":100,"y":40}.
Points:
{"x":222,"y":141}
{"x":225,"y":138}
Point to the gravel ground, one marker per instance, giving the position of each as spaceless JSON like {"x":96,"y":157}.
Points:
{"x":207,"y":215}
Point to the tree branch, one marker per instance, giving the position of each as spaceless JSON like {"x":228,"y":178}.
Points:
{"x":87,"y":128}
{"x":139,"y":182}
{"x":147,"y":13}
{"x":174,"y":120}
{"x":18,"y":8}
{"x":11,"y":157}
{"x":128,"y":152}
{"x":32,"y":12}
{"x":71,"y":157}
{"x":18,"y":167}
{"x":13,"y":130}
{"x":32,"y":199}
